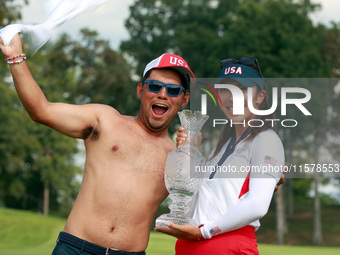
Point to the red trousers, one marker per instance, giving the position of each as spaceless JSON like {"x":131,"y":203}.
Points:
{"x":237,"y":242}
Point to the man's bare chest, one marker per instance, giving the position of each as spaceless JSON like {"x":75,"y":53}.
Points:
{"x":130,"y":150}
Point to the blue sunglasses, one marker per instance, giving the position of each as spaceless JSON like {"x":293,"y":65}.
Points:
{"x":156,"y":86}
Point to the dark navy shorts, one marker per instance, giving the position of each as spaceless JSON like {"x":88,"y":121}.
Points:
{"x":71,"y":245}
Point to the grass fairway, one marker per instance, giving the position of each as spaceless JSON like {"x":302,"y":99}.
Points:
{"x":161,"y":244}
{"x":267,"y":249}
{"x":29,"y":233}
{"x":23,"y":232}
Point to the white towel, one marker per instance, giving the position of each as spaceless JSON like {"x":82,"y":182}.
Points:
{"x":57,"y":12}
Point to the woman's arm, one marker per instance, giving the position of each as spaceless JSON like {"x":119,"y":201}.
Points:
{"x":252,"y":208}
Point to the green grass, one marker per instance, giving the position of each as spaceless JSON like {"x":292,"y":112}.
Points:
{"x":32,"y":233}
{"x":161,"y":244}
{"x":268,"y":249}
{"x":29,"y":233}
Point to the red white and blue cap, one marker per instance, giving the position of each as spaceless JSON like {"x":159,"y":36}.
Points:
{"x":168,"y":60}
{"x":243,"y":74}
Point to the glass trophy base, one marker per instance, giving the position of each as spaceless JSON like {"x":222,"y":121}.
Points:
{"x":162,"y":220}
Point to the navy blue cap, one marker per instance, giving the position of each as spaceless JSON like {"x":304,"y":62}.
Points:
{"x":243,"y":74}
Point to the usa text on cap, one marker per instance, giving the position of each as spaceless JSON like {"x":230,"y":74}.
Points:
{"x":243,"y":74}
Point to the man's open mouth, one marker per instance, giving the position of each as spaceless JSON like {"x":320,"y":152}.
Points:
{"x":159,"y":110}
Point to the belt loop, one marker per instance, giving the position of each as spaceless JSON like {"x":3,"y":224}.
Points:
{"x":82,"y":246}
{"x":107,"y":251}
{"x":56,"y":241}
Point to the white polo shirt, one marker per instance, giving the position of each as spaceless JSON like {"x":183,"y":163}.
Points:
{"x":231,"y":200}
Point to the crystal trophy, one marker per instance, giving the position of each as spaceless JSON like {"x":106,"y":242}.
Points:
{"x":181,"y":178}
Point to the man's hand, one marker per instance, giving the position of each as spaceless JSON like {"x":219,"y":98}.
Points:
{"x":14,"y":49}
{"x":181,"y":137}
{"x":182,"y":231}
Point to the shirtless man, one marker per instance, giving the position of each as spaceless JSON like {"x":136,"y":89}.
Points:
{"x":123,"y":181}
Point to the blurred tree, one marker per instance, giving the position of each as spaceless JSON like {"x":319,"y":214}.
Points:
{"x":102,"y":75}
{"x":9,"y":13}
{"x":15,"y":146}
{"x":44,"y":160}
{"x":10,"y":156}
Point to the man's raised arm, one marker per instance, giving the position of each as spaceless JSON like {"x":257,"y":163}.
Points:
{"x":68,"y":119}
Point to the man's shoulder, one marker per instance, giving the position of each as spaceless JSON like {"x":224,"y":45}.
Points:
{"x":107,"y":118}
{"x":103,"y":109}
{"x":108,"y":114}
